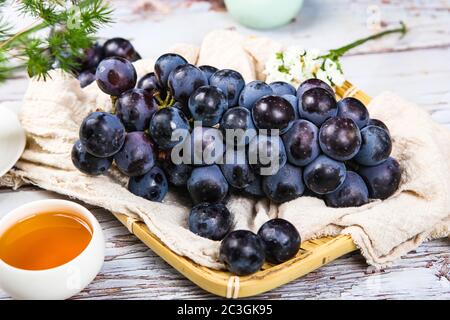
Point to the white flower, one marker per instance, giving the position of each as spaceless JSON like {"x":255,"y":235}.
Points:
{"x":296,"y":64}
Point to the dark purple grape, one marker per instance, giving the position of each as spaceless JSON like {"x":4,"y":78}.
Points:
{"x":207,"y":104}
{"x":237,"y":122}
{"x":281,"y":88}
{"x":115,"y":75}
{"x":293,"y":100}
{"x":184,"y":80}
{"x":87,"y":163}
{"x":178,"y":174}
{"x":352,"y":193}
{"x":184,"y":108}
{"x":281,"y":240}
{"x":164,"y":123}
{"x":135,"y":108}
{"x":302,"y":143}
{"x":120,"y":47}
{"x":102,"y":134}
{"x":382,"y":180}
{"x":207,"y":184}
{"x":206,"y":146}
{"x":378,"y":123}
{"x":340,"y":138}
{"x":286,"y":185}
{"x":252,"y":92}
{"x":86,"y":77}
{"x":151,"y":186}
{"x":254,"y":189}
{"x":317,"y":105}
{"x":208,"y":71}
{"x":137,"y":156}
{"x":231,"y":82}
{"x":237,"y":170}
{"x":354,"y":109}
{"x":313,"y":83}
{"x":273,"y":112}
{"x":91,"y":57}
{"x":165,"y":65}
{"x":376,"y":146}
{"x":324,"y":175}
{"x":242,"y":252}
{"x":266,"y":154}
{"x":150,"y":83}
{"x":212,"y":221}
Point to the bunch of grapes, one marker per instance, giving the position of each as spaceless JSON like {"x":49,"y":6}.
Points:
{"x":322,"y":147}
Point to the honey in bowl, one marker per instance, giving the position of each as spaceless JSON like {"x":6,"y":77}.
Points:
{"x":44,"y":241}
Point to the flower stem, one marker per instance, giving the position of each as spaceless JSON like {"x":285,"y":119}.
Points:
{"x":335,"y":54}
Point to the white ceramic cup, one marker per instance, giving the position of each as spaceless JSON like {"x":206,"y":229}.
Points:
{"x":61,"y":282}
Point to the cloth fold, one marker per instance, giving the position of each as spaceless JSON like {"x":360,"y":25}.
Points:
{"x":384,"y":230}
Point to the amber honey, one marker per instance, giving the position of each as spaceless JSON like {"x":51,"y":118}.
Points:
{"x":44,"y":241}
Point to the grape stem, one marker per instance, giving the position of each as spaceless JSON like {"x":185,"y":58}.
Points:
{"x":335,"y":54}
{"x":113,"y":104}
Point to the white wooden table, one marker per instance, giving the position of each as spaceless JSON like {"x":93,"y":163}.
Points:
{"x":417,"y":67}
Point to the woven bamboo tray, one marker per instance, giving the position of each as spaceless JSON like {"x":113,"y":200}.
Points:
{"x":312,"y":255}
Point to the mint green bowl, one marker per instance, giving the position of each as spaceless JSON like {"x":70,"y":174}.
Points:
{"x":263,"y":14}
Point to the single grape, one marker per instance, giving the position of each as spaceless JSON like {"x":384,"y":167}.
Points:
{"x":150,"y":83}
{"x":266,"y":154}
{"x":208,"y":71}
{"x":87,"y":163}
{"x":352,"y":193}
{"x":206,"y":146}
{"x":86,"y":78}
{"x":207,"y":104}
{"x":207,"y":184}
{"x":293,"y":100}
{"x":165,"y":65}
{"x":252,"y":92}
{"x":91,"y":57}
{"x":340,"y":138}
{"x":242,"y":252}
{"x":137,"y":156}
{"x":376,"y":146}
{"x":237,"y":170}
{"x":378,"y":123}
{"x":120,"y":47}
{"x":115,"y":75}
{"x":273,"y":112}
{"x":302,"y":142}
{"x":178,"y":174}
{"x":324,"y":175}
{"x":151,"y":186}
{"x":317,"y":105}
{"x":286,"y":185}
{"x":281,"y":240}
{"x":237,"y":126}
{"x":231,"y":82}
{"x":212,"y":221}
{"x":354,"y":109}
{"x":164,"y":123}
{"x":254,"y":189}
{"x":382,"y":180}
{"x":102,"y":134}
{"x":184,"y":80}
{"x":313,"y":83}
{"x":135,"y":108}
{"x":281,"y":88}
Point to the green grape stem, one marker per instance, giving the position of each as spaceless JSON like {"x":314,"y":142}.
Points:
{"x":113,"y":104}
{"x":336,"y":54}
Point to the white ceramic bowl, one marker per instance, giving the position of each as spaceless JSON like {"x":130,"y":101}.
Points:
{"x":60,"y":282}
{"x":12,"y":139}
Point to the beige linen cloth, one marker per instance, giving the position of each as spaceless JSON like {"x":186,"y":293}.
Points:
{"x":384,"y":230}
